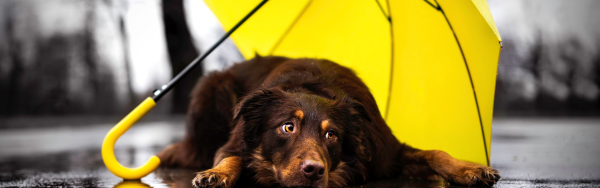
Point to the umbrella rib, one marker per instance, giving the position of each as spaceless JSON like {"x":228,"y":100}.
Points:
{"x":387,"y":107}
{"x":436,"y":7}
{"x":383,"y":12}
{"x":487,"y":158}
{"x":287,"y":31}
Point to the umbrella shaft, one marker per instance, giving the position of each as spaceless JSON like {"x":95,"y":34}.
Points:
{"x":166,"y":88}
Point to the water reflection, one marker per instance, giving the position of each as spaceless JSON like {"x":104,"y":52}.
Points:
{"x":182,"y":178}
{"x":176,"y":178}
{"x":131,"y":184}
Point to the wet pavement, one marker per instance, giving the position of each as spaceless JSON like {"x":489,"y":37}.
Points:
{"x":527,"y":152}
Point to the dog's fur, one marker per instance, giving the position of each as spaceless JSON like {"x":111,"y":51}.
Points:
{"x":236,"y":128}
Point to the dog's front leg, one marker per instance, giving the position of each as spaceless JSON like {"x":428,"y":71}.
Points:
{"x":227,"y":166}
{"x":453,"y":170}
{"x":224,"y":174}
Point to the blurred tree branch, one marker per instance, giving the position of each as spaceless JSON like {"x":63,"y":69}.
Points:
{"x":181,"y":52}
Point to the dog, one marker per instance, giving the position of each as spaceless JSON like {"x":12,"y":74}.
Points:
{"x":275,"y":121}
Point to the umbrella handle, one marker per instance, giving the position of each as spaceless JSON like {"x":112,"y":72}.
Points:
{"x":108,"y":155}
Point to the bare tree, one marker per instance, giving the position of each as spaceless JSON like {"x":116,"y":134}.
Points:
{"x":181,"y":52}
{"x":9,"y":93}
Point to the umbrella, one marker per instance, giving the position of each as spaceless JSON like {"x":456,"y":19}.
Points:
{"x":431,"y":65}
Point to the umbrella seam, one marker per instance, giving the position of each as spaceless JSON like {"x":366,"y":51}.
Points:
{"x":436,"y":7}
{"x":287,"y":31}
{"x":439,"y":8}
{"x":389,"y":98}
{"x":383,"y":12}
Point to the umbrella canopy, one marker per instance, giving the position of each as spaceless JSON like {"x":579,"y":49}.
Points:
{"x":431,"y":65}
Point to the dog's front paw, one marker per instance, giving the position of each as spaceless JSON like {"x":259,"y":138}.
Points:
{"x":225,"y":174}
{"x":474,"y":175}
{"x":214,"y":178}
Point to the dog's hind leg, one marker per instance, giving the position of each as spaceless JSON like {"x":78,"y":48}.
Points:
{"x":207,"y":123}
{"x":417,"y":163}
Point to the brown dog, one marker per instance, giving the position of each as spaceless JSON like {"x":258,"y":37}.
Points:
{"x":274,"y":121}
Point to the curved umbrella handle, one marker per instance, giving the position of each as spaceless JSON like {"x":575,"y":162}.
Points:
{"x":108,"y":155}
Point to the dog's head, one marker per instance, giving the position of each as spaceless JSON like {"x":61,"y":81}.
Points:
{"x":303,"y":139}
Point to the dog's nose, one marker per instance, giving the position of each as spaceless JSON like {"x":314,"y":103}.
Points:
{"x":313,"y":170}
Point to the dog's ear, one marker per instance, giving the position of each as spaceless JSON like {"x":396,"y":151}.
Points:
{"x":256,"y":55}
{"x":357,"y":146}
{"x":358,"y":126}
{"x":254,"y":110}
{"x":360,"y":138}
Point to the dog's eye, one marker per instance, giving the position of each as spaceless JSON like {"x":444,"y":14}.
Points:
{"x":287,"y":127}
{"x":330,"y":134}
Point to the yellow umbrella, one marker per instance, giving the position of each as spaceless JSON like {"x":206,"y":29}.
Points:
{"x":431,"y":65}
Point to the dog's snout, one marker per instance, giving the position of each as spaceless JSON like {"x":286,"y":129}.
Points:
{"x":313,"y":170}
